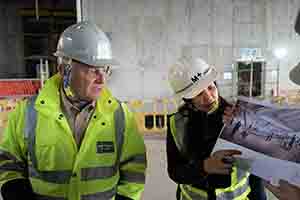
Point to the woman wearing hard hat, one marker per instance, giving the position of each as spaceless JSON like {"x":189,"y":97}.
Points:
{"x":192,"y":133}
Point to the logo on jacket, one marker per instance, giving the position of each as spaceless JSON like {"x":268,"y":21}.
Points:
{"x":105,"y":147}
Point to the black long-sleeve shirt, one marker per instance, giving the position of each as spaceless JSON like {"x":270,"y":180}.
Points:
{"x":202,"y":133}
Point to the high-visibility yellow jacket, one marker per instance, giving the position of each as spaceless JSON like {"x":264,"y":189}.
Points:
{"x":239,"y":188}
{"x":38,"y":144}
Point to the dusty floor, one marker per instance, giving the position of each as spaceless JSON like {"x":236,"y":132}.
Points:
{"x":158,"y":184}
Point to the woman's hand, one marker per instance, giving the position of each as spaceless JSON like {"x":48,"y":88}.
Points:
{"x":221,"y":162}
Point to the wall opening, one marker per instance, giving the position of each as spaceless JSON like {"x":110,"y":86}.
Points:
{"x":250,"y":79}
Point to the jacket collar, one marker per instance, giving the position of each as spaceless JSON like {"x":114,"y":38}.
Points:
{"x":49,"y":102}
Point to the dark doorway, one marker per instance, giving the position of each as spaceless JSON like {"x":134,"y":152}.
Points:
{"x":30,"y":30}
{"x":250,"y":85}
{"x":41,"y":30}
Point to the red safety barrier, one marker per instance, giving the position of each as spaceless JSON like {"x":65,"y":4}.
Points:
{"x":19,"y":87}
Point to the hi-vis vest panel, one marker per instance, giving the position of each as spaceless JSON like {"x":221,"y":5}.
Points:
{"x":39,"y":144}
{"x":239,"y":188}
{"x":103,"y":176}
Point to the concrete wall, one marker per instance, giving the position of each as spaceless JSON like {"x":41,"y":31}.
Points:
{"x":149,"y":35}
{"x":11,"y":41}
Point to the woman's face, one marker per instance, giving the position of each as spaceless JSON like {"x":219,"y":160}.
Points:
{"x":206,"y":99}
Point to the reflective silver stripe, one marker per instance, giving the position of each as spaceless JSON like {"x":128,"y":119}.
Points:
{"x":92,"y":173}
{"x":119,"y":117}
{"x":233,"y":194}
{"x":13,"y":166}
{"x":192,"y":195}
{"x":61,"y":177}
{"x":223,"y":196}
{"x":106,"y":195}
{"x":87,"y":173}
{"x":140,"y":159}
{"x":58,"y":177}
{"x":44,"y":197}
{"x":134,"y":177}
{"x":30,"y":129}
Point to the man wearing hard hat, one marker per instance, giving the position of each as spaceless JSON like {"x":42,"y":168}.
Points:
{"x":74,"y":140}
{"x":192,"y":133}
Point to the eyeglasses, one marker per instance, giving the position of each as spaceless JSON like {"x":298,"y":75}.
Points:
{"x":99,"y":70}
{"x":91,"y":70}
{"x":94,"y":71}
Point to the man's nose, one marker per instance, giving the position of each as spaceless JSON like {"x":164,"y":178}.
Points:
{"x":99,"y":76}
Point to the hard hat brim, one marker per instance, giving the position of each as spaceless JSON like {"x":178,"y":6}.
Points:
{"x":197,"y":88}
{"x":100,"y":62}
{"x":295,"y":74}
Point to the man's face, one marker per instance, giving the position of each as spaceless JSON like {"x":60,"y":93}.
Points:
{"x":86,"y":81}
{"x":205,"y":100}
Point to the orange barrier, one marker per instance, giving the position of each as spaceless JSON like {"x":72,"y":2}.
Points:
{"x":153,"y":121}
{"x":12,"y":91}
{"x":6,"y":106}
{"x":15,"y":87}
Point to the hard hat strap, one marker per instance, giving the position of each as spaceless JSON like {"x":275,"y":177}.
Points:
{"x":67,"y":80}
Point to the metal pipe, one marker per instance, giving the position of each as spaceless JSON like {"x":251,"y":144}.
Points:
{"x":37,"y":9}
{"x":277,"y":78}
{"x":79,"y":10}
{"x":41,"y":72}
{"x":46,"y":70}
{"x":251,"y":79}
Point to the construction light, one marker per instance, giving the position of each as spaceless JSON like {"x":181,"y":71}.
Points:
{"x":280,"y":53}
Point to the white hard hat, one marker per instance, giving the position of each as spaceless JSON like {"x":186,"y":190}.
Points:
{"x":86,"y":43}
{"x":295,"y":74}
{"x":189,"y":76}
